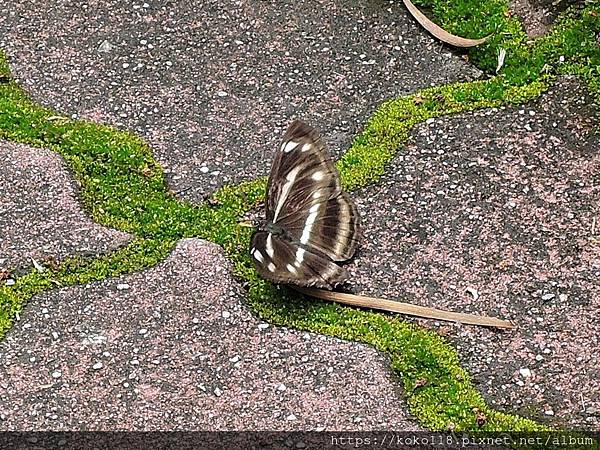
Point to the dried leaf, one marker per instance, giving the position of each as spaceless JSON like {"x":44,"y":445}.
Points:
{"x":51,"y":262}
{"x":501,"y":57}
{"x":420,"y":383}
{"x":4,"y":274}
{"x":439,"y":32}
{"x":37,"y":265}
{"x":480,"y":417}
{"x":147,"y":172}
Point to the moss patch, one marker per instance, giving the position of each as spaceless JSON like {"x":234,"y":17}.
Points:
{"x":123,"y":187}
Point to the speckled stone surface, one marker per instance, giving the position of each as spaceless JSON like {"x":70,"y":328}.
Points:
{"x":213,"y":85}
{"x":502,"y":205}
{"x":173,"y":348}
{"x":40,"y":216}
{"x":537,"y":16}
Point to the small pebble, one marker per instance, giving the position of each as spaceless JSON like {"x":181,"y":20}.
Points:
{"x":97,"y":366}
{"x":525,"y":372}
{"x":105,"y":47}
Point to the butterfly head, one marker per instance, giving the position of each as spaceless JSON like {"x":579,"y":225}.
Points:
{"x":270,"y":227}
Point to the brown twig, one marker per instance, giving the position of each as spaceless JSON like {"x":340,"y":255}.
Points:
{"x":403,"y":308}
{"x":439,"y":32}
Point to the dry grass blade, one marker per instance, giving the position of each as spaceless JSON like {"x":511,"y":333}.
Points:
{"x":439,"y":32}
{"x":404,"y":308}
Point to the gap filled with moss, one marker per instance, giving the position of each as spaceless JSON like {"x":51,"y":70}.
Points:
{"x":123,"y":187}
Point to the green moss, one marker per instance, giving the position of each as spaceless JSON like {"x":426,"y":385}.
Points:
{"x":391,"y":124}
{"x":139,"y":254}
{"x":123,"y":187}
{"x":570,"y":48}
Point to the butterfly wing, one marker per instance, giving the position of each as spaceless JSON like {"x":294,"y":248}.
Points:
{"x":281,"y":261}
{"x":305,"y":197}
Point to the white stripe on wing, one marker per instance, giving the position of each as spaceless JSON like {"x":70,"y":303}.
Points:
{"x":270,"y":249}
{"x":299,"y":257}
{"x":313,"y":212}
{"x":345,"y":230}
{"x":285,"y":190}
{"x":258,"y":255}
{"x":289,"y":146}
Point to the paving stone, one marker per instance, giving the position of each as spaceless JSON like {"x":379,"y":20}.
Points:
{"x":163,"y":355}
{"x":537,"y":16}
{"x":212,"y":87}
{"x":39,"y":214}
{"x":497,"y":212}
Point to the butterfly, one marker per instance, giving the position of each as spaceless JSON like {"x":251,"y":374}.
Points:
{"x":311,"y":224}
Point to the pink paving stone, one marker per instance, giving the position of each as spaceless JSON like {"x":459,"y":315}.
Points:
{"x":40,"y":216}
{"x":174,"y":348}
{"x":212,"y":86}
{"x":505,"y":202}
